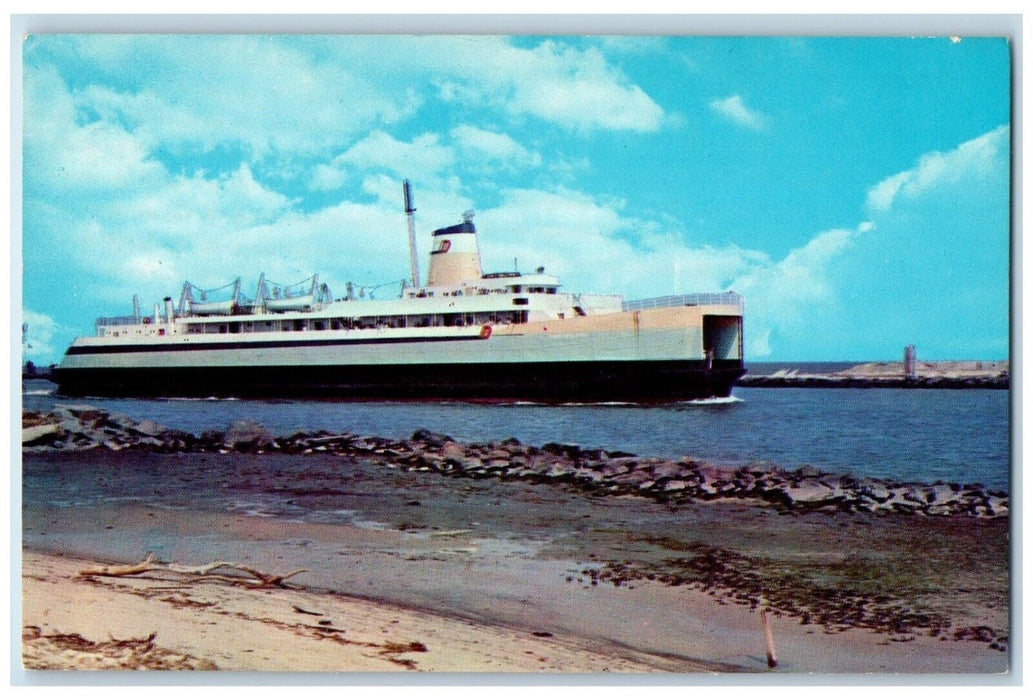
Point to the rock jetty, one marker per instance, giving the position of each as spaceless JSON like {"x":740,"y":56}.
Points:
{"x":890,"y":375}
{"x":595,"y":471}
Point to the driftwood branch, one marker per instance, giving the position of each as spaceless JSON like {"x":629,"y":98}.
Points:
{"x":769,"y":639}
{"x":253,"y":577}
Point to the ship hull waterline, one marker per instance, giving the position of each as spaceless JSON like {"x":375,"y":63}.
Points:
{"x":551,"y":382}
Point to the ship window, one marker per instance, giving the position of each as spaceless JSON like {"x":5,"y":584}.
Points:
{"x":520,"y":301}
{"x":320,"y":326}
{"x":299,"y":324}
{"x":550,"y":290}
{"x":517,"y":288}
{"x":223,"y":328}
{"x":235,"y":327}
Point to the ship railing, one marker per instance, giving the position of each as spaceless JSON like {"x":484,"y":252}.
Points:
{"x":706,"y":299}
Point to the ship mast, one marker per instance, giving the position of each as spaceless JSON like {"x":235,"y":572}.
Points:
{"x":410,"y":212}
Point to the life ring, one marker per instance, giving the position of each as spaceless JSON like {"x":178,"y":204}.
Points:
{"x":485,"y":332}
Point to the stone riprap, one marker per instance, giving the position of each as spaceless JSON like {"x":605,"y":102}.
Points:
{"x":832,"y":381}
{"x":601,"y":472}
{"x":890,"y":375}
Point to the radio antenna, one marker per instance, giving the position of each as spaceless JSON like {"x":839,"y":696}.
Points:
{"x":410,"y":212}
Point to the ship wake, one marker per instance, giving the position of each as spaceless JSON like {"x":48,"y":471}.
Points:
{"x":714,"y":401}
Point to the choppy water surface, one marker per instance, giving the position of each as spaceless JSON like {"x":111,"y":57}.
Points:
{"x":924,"y":435}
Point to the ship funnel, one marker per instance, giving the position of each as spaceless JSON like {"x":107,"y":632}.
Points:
{"x":454,"y":256}
{"x":168,"y":310}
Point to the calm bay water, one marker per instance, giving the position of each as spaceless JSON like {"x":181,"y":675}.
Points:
{"x":920,"y":435}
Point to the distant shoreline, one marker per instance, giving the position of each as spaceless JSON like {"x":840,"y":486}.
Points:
{"x":890,"y":375}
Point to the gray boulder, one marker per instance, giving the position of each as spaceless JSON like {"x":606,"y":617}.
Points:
{"x":430,"y":438}
{"x":150,"y":428}
{"x":247,"y":434}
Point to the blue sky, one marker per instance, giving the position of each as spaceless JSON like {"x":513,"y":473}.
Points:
{"x":855,"y":190}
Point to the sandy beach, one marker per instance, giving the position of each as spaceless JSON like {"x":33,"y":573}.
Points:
{"x":487,"y":575}
{"x":165,"y":622}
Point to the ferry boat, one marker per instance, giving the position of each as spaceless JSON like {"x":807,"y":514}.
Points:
{"x":462,"y":334}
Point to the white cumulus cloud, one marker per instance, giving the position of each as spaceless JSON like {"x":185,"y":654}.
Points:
{"x":735,"y":109}
{"x":977,"y":157}
{"x":326,"y":178}
{"x":494,"y":147}
{"x":269,"y":93}
{"x":553,"y":81}
{"x":380,"y":151}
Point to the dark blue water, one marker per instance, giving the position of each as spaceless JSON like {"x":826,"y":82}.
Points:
{"x":913,"y":435}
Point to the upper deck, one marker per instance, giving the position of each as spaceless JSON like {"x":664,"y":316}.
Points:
{"x":457,"y":293}
{"x":442,"y":307}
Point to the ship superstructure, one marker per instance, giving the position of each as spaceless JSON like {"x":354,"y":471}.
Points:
{"x":463,"y":334}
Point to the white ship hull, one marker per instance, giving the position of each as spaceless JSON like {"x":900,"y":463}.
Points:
{"x":655,"y":354}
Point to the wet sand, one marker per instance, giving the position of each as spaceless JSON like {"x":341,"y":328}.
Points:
{"x":158,"y":622}
{"x":530,"y":560}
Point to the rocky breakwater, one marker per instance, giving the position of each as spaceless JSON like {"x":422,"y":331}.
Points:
{"x":595,"y":471}
{"x":890,"y":375}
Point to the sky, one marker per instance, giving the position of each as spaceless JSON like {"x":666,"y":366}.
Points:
{"x":856,"y":191}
